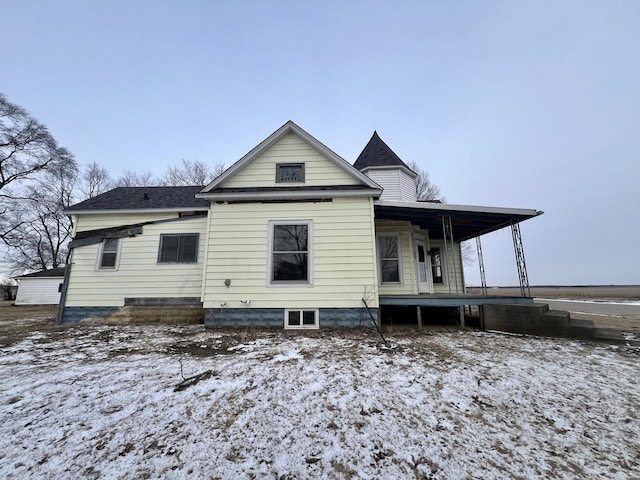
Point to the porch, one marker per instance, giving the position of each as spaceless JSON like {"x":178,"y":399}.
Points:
{"x":415,"y":309}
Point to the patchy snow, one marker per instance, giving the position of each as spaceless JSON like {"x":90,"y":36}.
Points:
{"x":592,"y":301}
{"x":99,"y":402}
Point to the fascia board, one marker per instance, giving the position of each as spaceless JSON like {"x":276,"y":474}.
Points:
{"x":137,"y":210}
{"x":392,"y":167}
{"x":287,"y":195}
{"x":448,"y":207}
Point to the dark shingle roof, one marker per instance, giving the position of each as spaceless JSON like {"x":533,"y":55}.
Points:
{"x":54,"y":272}
{"x":378,"y":154}
{"x":143,"y":198}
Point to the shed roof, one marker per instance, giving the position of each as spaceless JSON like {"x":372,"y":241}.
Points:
{"x":143,"y":198}
{"x":53,"y":272}
{"x":378,"y":154}
{"x":467,"y":221}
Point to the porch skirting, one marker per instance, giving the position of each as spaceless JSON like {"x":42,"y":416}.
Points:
{"x":274,"y":317}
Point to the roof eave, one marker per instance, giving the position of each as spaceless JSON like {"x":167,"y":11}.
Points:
{"x":391,"y":167}
{"x":449,"y":207}
{"x":239,"y":196}
{"x":138,"y":210}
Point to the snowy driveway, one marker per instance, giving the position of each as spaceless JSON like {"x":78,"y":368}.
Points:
{"x":99,"y":402}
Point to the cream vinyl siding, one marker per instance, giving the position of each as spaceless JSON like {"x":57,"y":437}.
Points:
{"x":261,"y":172}
{"x":398,"y":185}
{"x":444,"y":287}
{"x":342,"y":264}
{"x":138,"y":274}
{"x":39,"y":291}
{"x":408,"y":284}
{"x":92,"y":221}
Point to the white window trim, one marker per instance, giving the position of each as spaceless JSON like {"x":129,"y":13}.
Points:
{"x":162,"y":235}
{"x":400,"y":272}
{"x":309,"y":283}
{"x":98,"y":268}
{"x":316,"y":314}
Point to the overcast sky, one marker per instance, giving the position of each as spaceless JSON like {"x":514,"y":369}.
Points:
{"x":505,"y":103}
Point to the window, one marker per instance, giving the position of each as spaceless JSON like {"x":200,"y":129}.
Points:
{"x":289,"y":172}
{"x":178,"y":248}
{"x":109,"y":254}
{"x":290,"y":257}
{"x":388,"y":246}
{"x":301,"y":318}
{"x":436,"y":265}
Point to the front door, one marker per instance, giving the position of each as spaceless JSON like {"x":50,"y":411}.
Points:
{"x":421,"y":260}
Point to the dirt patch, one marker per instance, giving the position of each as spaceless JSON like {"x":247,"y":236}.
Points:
{"x":40,"y":313}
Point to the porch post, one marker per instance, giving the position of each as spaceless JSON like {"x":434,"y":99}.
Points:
{"x":449,"y":253}
{"x":419,"y":314}
{"x":483,"y":280}
{"x":520,"y":262}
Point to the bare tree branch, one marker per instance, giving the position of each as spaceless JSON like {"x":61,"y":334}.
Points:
{"x":129,"y":178}
{"x":192,"y":172}
{"x":426,"y":191}
{"x":94,"y":180}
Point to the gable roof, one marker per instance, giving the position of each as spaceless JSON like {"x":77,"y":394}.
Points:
{"x":275,"y":137}
{"x":143,"y":198}
{"x":378,"y":154}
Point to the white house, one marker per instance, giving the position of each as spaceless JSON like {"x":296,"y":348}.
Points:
{"x":291,"y":235}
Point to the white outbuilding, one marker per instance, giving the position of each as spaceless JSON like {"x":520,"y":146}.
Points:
{"x":40,"y":288}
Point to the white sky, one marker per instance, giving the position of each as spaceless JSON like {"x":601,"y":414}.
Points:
{"x":518,"y":104}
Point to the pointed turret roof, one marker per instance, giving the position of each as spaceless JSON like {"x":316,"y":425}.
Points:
{"x":378,"y":154}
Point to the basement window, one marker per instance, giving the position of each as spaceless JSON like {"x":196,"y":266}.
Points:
{"x":300,"y":318}
{"x":290,"y":173}
{"x":178,"y":248}
{"x":109,"y":254}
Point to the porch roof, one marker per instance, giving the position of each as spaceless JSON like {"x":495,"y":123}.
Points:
{"x":467,"y":221}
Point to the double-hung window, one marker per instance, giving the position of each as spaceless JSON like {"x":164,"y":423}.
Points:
{"x":109,"y":254}
{"x":290,"y":258}
{"x":389,"y":249}
{"x":178,"y":248}
{"x":436,"y":266}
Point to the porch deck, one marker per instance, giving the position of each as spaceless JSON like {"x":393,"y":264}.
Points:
{"x":450,"y":300}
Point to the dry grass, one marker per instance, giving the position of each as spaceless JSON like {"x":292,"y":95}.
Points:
{"x":9,"y":311}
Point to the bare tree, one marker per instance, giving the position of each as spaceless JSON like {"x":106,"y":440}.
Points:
{"x":192,"y":172}
{"x":129,"y":178}
{"x":26,"y":147}
{"x":36,"y":180}
{"x":94,"y":181}
{"x":426,"y":191}
{"x":41,"y":230}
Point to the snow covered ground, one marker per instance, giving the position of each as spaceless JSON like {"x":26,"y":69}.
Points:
{"x":100,"y":402}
